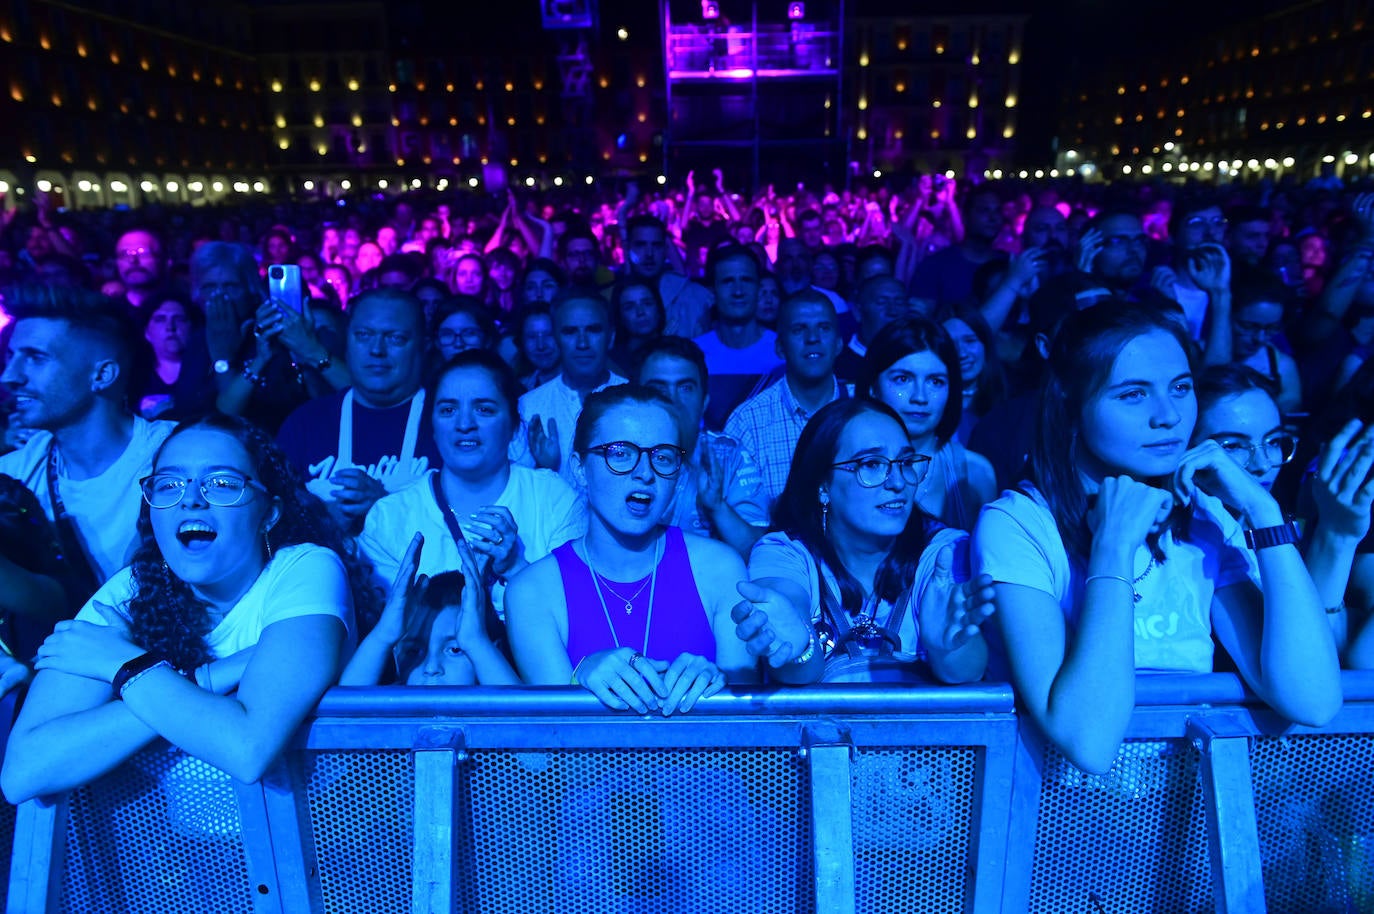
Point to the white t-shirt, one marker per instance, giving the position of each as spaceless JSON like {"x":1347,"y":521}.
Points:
{"x":301,"y":580}
{"x":105,"y":507}
{"x":1016,"y":541}
{"x":776,"y":555}
{"x":554,"y":400}
{"x":547,"y":514}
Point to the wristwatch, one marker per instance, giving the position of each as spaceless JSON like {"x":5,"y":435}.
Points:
{"x":1264,"y":537}
{"x":221,"y":366}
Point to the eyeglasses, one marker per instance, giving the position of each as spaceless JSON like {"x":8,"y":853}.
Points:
{"x":473,"y":336}
{"x":1199,"y":222}
{"x":393,"y":340}
{"x":1277,"y":449}
{"x":622,"y":457}
{"x":133,"y":253}
{"x":873,"y":471}
{"x":223,"y":490}
{"x":1111,"y":242}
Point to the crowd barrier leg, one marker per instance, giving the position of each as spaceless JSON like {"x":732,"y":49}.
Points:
{"x":282,"y":867}
{"x":989,"y":856}
{"x":1023,"y":810}
{"x":1232,"y":830}
{"x":40,"y":852}
{"x":828,"y":753}
{"x":438,"y":817}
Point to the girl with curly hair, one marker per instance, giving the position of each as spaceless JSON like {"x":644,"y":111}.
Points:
{"x":220,"y":637}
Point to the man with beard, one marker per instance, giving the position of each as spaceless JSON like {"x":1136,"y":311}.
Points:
{"x":580,"y":256}
{"x":142,"y":267}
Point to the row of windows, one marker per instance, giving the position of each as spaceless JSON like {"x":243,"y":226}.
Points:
{"x":886,"y":40}
{"x":72,"y":140}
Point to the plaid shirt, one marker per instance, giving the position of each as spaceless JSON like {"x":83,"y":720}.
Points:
{"x":767,"y":426}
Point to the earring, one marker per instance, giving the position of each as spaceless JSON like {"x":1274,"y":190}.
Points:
{"x":267,"y":541}
{"x":825,"y":511}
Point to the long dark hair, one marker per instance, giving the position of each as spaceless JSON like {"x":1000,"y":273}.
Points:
{"x":992,"y":383}
{"x":166,"y":617}
{"x":798,"y":509}
{"x":1080,"y":362}
{"x":900,"y":339}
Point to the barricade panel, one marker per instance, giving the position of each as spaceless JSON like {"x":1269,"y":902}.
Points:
{"x":1131,"y":840}
{"x":1314,"y":798}
{"x":362,"y":820}
{"x":650,"y":832}
{"x":912,"y":829}
{"x":158,"y":834}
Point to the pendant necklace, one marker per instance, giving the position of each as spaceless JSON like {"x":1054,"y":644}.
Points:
{"x":598,"y":584}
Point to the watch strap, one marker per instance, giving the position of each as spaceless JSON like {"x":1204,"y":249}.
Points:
{"x":1265,"y":537}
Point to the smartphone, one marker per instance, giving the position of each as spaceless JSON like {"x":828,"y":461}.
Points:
{"x":284,"y":285}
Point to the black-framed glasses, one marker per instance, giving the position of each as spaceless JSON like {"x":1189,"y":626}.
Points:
{"x":471,"y":336}
{"x":873,"y":471}
{"x":622,"y":457}
{"x":1277,"y":449}
{"x":223,"y":490}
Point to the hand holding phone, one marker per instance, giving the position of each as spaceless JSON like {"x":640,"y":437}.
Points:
{"x":284,"y":285}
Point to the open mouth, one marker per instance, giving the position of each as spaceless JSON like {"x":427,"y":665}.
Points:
{"x":639,"y":502}
{"x":196,"y":535}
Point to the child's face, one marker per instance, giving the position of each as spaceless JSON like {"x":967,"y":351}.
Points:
{"x":444,"y":663}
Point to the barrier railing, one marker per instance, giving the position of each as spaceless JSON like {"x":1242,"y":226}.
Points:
{"x":832,"y":799}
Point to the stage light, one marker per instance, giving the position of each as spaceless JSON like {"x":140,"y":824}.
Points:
{"x":796,"y":10}
{"x":710,"y":9}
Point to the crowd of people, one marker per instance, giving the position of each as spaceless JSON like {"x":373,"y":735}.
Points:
{"x":648,"y":444}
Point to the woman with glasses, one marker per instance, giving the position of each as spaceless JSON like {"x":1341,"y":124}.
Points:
{"x":855,"y":582}
{"x":633,"y":611}
{"x":232,"y":620}
{"x":1237,"y":409}
{"x":1257,"y":318}
{"x":461,"y":323}
{"x":912,"y":365}
{"x":1122,"y":553}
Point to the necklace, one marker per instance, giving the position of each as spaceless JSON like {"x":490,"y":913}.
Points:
{"x":1135,"y":594}
{"x":629,"y":601}
{"x":605,"y":611}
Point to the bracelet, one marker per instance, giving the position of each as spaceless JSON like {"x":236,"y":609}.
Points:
{"x":253,"y":377}
{"x":809,"y":652}
{"x":1108,"y":577}
{"x":1336,"y":610}
{"x":575,"y":669}
{"x":135,"y":668}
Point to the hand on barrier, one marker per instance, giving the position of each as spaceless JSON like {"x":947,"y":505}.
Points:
{"x":950,"y":613}
{"x":623,"y":678}
{"x":689,"y":679}
{"x":86,"y":649}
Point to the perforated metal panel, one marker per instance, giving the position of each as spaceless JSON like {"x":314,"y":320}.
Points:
{"x":1314,"y":799}
{"x":1134,"y":839}
{"x":157,"y":835}
{"x":911,"y":829}
{"x":7,"y":814}
{"x":633,"y":831}
{"x":362,"y":816}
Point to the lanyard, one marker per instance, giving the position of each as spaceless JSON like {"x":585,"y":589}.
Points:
{"x":408,"y":443}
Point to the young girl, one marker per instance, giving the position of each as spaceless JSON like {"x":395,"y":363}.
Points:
{"x":913,"y":367}
{"x":221,"y":636}
{"x":1120,"y":554}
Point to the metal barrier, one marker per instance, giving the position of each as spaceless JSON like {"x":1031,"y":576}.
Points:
{"x":830,"y":800}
